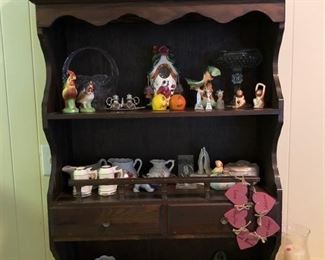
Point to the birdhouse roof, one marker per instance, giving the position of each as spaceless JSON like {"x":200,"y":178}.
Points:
{"x":163,"y":60}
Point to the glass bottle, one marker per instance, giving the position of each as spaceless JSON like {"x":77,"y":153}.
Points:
{"x":294,"y":244}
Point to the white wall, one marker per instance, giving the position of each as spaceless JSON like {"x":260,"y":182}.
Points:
{"x":301,"y":147}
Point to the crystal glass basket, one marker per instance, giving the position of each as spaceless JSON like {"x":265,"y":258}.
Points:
{"x":239,"y":60}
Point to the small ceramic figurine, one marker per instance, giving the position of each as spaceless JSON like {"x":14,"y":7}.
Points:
{"x":209,"y":97}
{"x":185,"y":165}
{"x":163,"y":78}
{"x":69,"y":93}
{"x":204,"y":162}
{"x":259,"y":92}
{"x":85,"y":97}
{"x":218,"y":169}
{"x":131,"y":102}
{"x":113,"y":102}
{"x":159,"y":102}
{"x":177,"y":102}
{"x":204,"y":88}
{"x":185,"y":169}
{"x":239,"y":99}
{"x":220,"y":102}
{"x":159,"y":168}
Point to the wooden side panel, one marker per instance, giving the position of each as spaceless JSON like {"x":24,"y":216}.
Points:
{"x":8,"y":218}
{"x":25,"y":223}
{"x":39,"y":74}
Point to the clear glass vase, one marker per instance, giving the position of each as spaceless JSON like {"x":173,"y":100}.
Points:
{"x":294,"y":244}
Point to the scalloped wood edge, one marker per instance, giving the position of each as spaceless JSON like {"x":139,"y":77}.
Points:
{"x":100,"y":14}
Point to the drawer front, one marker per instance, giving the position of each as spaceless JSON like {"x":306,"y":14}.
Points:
{"x":192,"y":219}
{"x":98,"y":223}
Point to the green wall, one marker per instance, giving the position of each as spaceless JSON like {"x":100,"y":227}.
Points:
{"x":23,"y":188}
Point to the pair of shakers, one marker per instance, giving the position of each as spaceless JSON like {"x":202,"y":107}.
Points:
{"x":117,"y":103}
{"x":87,"y":173}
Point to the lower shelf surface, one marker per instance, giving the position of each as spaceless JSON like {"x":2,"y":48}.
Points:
{"x":164,"y":249}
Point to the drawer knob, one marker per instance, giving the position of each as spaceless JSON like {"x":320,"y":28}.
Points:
{"x":106,"y":225}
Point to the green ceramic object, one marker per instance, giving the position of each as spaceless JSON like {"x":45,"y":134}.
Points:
{"x":70,"y":106}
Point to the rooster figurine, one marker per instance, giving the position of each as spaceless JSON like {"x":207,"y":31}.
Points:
{"x":69,"y":93}
{"x":85,"y":97}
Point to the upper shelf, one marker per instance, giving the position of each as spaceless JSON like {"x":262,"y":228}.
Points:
{"x":100,"y":12}
{"x":163,"y":114}
{"x":49,"y":2}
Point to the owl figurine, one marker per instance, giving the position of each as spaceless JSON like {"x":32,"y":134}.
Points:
{"x":85,"y":97}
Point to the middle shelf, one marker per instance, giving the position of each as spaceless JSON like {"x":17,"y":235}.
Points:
{"x":163,"y":114}
{"x":165,"y":189}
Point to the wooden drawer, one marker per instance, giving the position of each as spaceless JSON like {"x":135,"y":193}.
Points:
{"x":88,"y":223}
{"x":194,"y":219}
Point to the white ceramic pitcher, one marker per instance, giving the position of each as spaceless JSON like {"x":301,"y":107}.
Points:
{"x":159,"y":168}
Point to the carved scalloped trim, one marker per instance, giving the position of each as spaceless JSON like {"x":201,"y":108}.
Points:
{"x":101,"y":14}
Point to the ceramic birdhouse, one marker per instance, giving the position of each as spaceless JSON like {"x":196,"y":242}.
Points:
{"x":163,"y":78}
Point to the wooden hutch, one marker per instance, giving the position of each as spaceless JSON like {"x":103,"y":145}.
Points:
{"x":169,"y":223}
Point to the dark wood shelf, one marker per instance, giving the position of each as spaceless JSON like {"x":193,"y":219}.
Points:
{"x":224,"y":235}
{"x":163,"y":114}
{"x":169,"y":180}
{"x":168,"y":223}
{"x":49,"y":2}
{"x":165,"y":191}
{"x":190,"y":195}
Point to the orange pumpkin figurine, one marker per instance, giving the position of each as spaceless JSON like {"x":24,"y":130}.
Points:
{"x":177,"y":102}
